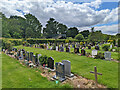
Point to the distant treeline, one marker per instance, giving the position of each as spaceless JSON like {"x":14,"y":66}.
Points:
{"x":30,"y":27}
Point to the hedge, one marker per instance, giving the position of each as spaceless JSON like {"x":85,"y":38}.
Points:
{"x":34,"y":41}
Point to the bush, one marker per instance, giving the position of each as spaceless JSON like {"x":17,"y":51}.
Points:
{"x":66,"y":41}
{"x":100,"y":56}
{"x":79,"y":37}
{"x":43,"y":60}
{"x":106,"y":47}
{"x":116,"y":49}
{"x":37,"y":41}
{"x":6,"y":44}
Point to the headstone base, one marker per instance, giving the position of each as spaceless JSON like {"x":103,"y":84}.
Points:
{"x":107,"y":59}
{"x":71,"y":75}
{"x":60,"y":78}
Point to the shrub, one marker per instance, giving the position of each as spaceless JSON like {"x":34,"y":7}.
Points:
{"x":43,"y":60}
{"x":6,"y":44}
{"x":116,"y":49}
{"x":106,"y":47}
{"x":79,"y":37}
{"x":66,"y":41}
{"x":99,"y":56}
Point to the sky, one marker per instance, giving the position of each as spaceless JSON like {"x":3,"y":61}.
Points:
{"x":83,"y":14}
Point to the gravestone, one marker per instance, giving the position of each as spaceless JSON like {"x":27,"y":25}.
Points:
{"x":31,"y":55}
{"x":67,"y":67}
{"x":34,"y":60}
{"x":73,"y":46}
{"x":51,"y":48}
{"x":28,"y":57}
{"x":83,"y":52}
{"x":14,"y":49}
{"x":39,"y":55}
{"x":107,"y":55}
{"x":97,"y":47}
{"x":76,"y":50}
{"x":21,"y":53}
{"x":89,"y":47}
{"x":60,"y":71}
{"x":113,"y":50}
{"x":47,"y":47}
{"x":111,"y":46}
{"x":94,"y":52}
{"x":67,"y":49}
{"x":50,"y":63}
{"x":61,"y":49}
{"x":57,"y":48}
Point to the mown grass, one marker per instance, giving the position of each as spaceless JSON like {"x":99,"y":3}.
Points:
{"x":15,"y":75}
{"x":82,"y":65}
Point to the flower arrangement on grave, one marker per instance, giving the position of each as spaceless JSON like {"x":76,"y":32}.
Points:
{"x":110,"y":41}
{"x":81,"y":43}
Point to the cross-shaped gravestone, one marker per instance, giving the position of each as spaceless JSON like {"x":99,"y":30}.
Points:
{"x":95,"y":72}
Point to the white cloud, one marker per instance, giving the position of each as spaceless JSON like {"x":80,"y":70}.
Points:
{"x":79,"y":15}
{"x":106,"y":29}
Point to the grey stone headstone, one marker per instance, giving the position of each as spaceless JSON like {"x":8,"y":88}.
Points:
{"x":21,"y":53}
{"x":94,"y":52}
{"x":60,"y":71}
{"x":107,"y":55}
{"x":34,"y":60}
{"x":61,"y":49}
{"x":28,"y":56}
{"x":31,"y":55}
{"x":67,"y":67}
{"x":39,"y":55}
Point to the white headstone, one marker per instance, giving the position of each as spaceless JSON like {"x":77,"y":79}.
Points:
{"x":50,"y":48}
{"x":21,"y":55}
{"x":111,"y":46}
{"x":94,"y":52}
{"x":56,"y":48}
{"x":39,"y":55}
{"x":113,"y":50}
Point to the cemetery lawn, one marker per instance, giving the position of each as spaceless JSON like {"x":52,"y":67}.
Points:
{"x":82,"y":65}
{"x":15,"y":75}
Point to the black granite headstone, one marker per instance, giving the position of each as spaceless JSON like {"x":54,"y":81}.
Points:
{"x":50,"y":63}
